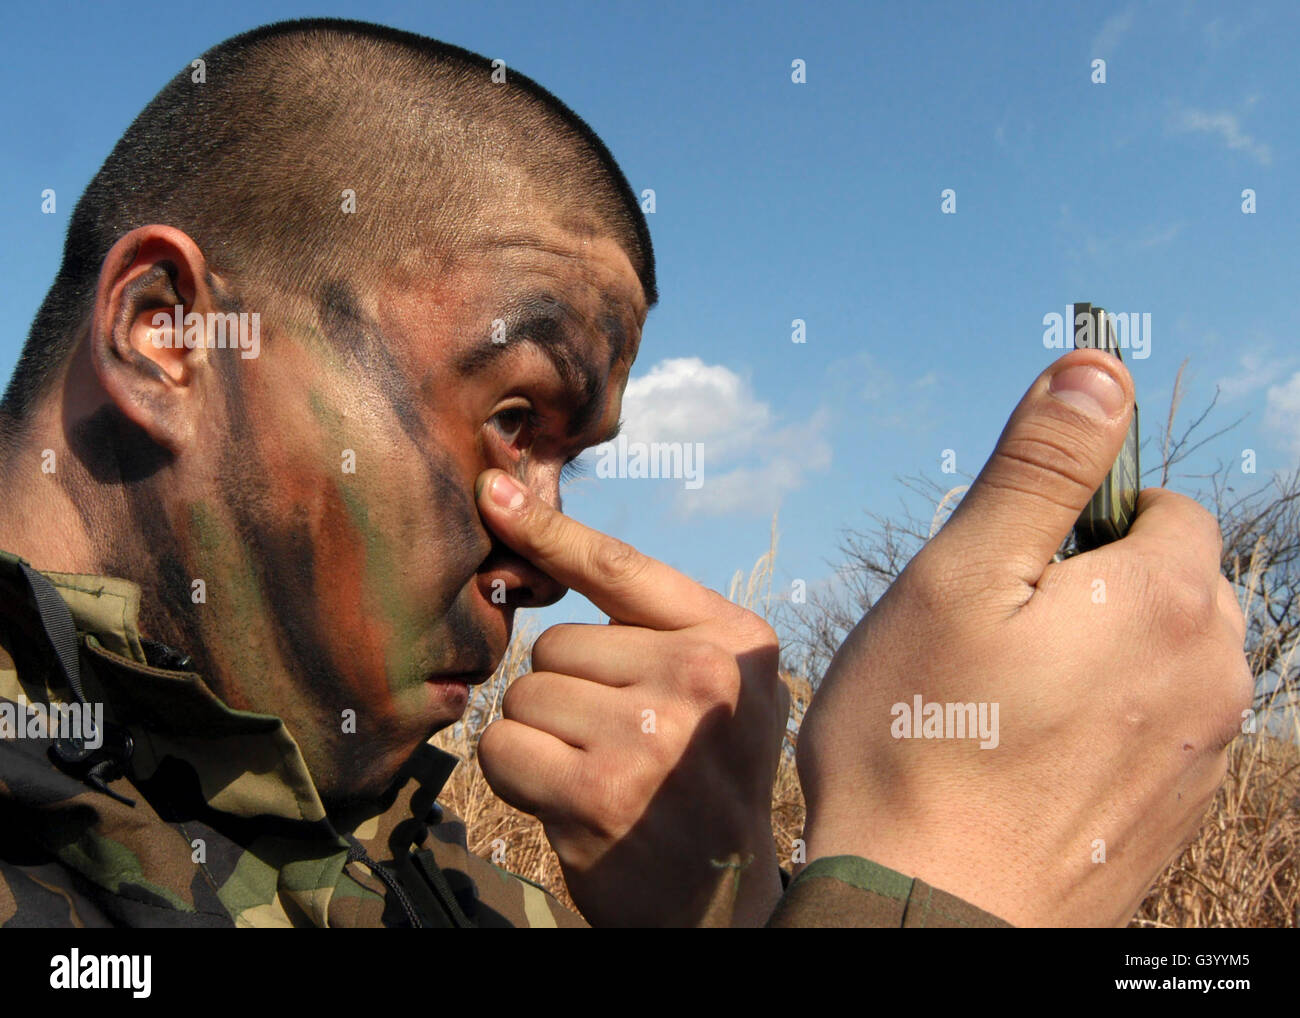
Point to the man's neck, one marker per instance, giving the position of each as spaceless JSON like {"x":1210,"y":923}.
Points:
{"x":44,"y":516}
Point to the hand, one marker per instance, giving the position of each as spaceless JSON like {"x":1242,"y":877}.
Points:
{"x":1118,"y":675}
{"x":647,"y":748}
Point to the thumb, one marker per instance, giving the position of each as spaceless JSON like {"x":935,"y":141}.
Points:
{"x":1053,"y":454}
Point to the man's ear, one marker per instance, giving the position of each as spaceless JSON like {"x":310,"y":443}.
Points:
{"x":152,"y":277}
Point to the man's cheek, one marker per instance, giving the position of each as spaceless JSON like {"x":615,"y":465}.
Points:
{"x":347,"y":575}
{"x":395,"y":604}
{"x":400,"y":539}
{"x":230,"y":578}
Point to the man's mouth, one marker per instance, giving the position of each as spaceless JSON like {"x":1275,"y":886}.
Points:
{"x":472,"y":677}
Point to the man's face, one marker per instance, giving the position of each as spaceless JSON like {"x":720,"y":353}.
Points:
{"x":359,"y":575}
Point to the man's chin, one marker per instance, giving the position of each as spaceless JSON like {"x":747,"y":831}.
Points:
{"x":362,"y":770}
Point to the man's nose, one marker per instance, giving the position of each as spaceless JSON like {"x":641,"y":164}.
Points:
{"x":509,"y":580}
{"x":539,"y":591}
{"x":545,"y":484}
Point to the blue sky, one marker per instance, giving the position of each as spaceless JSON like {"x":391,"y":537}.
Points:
{"x":821,"y":201}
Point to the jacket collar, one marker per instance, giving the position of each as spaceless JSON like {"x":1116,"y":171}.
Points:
{"x":247,"y":764}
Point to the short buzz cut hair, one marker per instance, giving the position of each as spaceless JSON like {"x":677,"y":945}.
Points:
{"x":252,"y":162}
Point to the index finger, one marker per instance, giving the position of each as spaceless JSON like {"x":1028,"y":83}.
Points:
{"x":623,"y":583}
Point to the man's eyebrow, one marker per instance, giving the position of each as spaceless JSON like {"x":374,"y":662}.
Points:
{"x":549,"y":324}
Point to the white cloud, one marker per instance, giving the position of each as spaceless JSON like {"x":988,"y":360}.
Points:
{"x":1282,"y":416}
{"x":750,"y":458}
{"x":685,"y":400}
{"x":1228,"y":128}
{"x":1154,"y":237}
{"x":1111,"y":34}
{"x":1256,"y":371}
{"x":878,"y":383}
{"x":1220,"y":32}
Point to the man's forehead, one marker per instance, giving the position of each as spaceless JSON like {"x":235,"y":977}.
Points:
{"x":572,"y":298}
{"x":590,"y":262}
{"x":544,"y":317}
{"x":549,"y":287}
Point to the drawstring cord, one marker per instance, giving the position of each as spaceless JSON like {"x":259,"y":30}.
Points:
{"x":358,"y":854}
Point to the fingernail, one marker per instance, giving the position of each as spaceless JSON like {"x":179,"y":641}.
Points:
{"x":505,"y":492}
{"x":1090,"y":389}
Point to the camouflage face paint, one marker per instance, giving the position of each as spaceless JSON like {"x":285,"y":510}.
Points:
{"x":330,"y":588}
{"x":352,"y":586}
{"x":358,"y":339}
{"x":122,"y":458}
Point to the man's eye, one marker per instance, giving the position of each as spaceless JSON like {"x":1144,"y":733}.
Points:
{"x":511,"y":423}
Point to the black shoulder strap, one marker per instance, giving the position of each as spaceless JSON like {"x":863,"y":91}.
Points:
{"x":56,"y":620}
{"x":94,"y":766}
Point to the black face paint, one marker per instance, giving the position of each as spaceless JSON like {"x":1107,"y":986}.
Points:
{"x":359,"y":338}
{"x":117,"y":453}
{"x":611,"y":324}
{"x":114,"y":449}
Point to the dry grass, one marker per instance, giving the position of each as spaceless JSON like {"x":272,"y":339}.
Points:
{"x":1242,"y":869}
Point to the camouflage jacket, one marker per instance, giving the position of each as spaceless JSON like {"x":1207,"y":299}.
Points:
{"x":172,"y":809}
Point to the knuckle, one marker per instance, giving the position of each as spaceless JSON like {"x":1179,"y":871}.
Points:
{"x":1190,"y":606}
{"x":748,"y":632}
{"x":780,"y":711}
{"x":1230,"y":598}
{"x":545,"y":528}
{"x":547,"y":647}
{"x":920,"y":580}
{"x":707,"y":672}
{"x":758,"y":633}
{"x":518,"y":697}
{"x":1222,"y":766}
{"x":760,"y":663}
{"x":1199,"y":525}
{"x":1040,"y":454}
{"x":489,"y":747}
{"x":1219,"y":687}
{"x":615,"y":804}
{"x":615,"y":562}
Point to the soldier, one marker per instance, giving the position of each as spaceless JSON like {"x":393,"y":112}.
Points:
{"x":278,"y":565}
